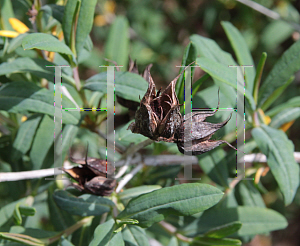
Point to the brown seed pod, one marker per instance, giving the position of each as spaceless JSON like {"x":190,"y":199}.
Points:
{"x":91,"y":176}
{"x":159,"y":113}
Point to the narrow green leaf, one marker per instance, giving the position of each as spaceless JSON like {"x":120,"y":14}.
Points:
{"x":20,"y":97}
{"x":255,"y":220}
{"x":103,"y":233}
{"x":117,"y":43}
{"x":224,"y":230}
{"x":214,"y":165}
{"x":280,"y":156}
{"x":35,"y":66}
{"x":25,"y":136}
{"x":198,"y":83}
{"x":16,"y":42}
{"x":285,"y":116}
{"x":241,"y":51}
{"x":84,"y":23}
{"x":272,"y":98}
{"x":136,"y":191}
{"x":56,"y":11}
{"x":68,"y":20}
{"x":135,"y":236}
{"x":257,"y":80}
{"x":84,"y":205}
{"x":59,"y":218}
{"x":27,"y":211}
{"x":249,"y":195}
{"x":6,"y":212}
{"x":65,"y":242}
{"x":225,"y":75}
{"x":20,"y":238}
{"x":190,"y":55}
{"x":42,"y":142}
{"x":184,"y":199}
{"x":43,"y":41}
{"x":287,"y":65}
{"x":6,"y":12}
{"x":127,"y":85}
{"x":203,"y":241}
{"x":293,"y":102}
{"x":210,"y":49}
{"x":17,"y":215}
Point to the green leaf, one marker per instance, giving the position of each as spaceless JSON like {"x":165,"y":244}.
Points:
{"x":117,"y":43}
{"x":16,"y":42}
{"x":241,"y":51}
{"x":272,"y":98}
{"x":135,"y":236}
{"x":27,"y":211}
{"x":280,"y":157}
{"x":293,"y":102}
{"x":214,"y":165}
{"x":136,"y":191}
{"x":42,"y":142}
{"x":127,"y":85}
{"x":34,"y":66}
{"x":84,"y":23}
{"x":68,"y":19}
{"x":190,"y":55}
{"x":103,"y":234}
{"x":257,"y":79}
{"x":6,"y":212}
{"x":25,"y":136}
{"x":59,"y":218}
{"x":255,"y":220}
{"x":210,"y":49}
{"x":43,"y":41}
{"x":6,"y":12}
{"x":288,"y":64}
{"x":203,"y":241}
{"x":20,"y":238}
{"x":249,"y":195}
{"x":56,"y":11}
{"x":20,"y":97}
{"x":17,"y":215}
{"x":65,"y":242}
{"x":224,"y":230}
{"x":184,"y":199}
{"x":84,"y":205}
{"x":285,"y":116}
{"x":224,"y":74}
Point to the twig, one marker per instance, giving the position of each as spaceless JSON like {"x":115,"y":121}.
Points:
{"x":35,"y":174}
{"x":172,"y":230}
{"x":124,"y":168}
{"x":118,"y":146}
{"x":137,"y":147}
{"x":128,"y":177}
{"x":267,"y":12}
{"x":147,"y":160}
{"x":261,"y":9}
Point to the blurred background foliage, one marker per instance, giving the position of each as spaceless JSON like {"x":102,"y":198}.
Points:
{"x":159,"y":32}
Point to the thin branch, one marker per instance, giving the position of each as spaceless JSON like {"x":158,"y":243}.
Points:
{"x":124,"y":168}
{"x":137,"y":147}
{"x":172,"y":230}
{"x":118,"y":146}
{"x":128,"y":177}
{"x":35,"y":174}
{"x":267,"y":12}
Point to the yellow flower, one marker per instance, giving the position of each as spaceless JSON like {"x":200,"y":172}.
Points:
{"x":19,"y":26}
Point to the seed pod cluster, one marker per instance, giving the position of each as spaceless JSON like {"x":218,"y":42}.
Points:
{"x":159,"y":119}
{"x":91,"y":176}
